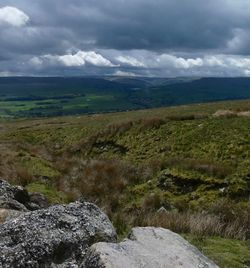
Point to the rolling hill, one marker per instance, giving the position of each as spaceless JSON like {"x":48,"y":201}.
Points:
{"x":54,"y":96}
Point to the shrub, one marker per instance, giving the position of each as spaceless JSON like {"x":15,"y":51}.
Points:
{"x":152,"y":202}
{"x":114,"y":129}
{"x":203,"y":166}
{"x":64,"y":163}
{"x":100,"y":181}
{"x":23,"y":176}
{"x":84,"y":145}
{"x":184,"y":117}
{"x":151,"y":123}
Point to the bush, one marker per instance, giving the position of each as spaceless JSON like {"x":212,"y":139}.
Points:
{"x":203,"y":166}
{"x":100,"y":181}
{"x":114,"y":129}
{"x":151,"y":123}
{"x":184,"y":117}
{"x":23,"y":176}
{"x":152,"y":202}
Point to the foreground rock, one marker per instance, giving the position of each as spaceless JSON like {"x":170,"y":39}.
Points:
{"x":55,"y":237}
{"x":64,"y":236}
{"x":8,"y":214}
{"x":148,"y":248}
{"x":17,"y":198}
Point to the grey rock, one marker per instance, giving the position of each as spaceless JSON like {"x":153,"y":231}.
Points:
{"x":8,"y":214}
{"x":9,"y":203}
{"x":55,"y":237}
{"x":147,"y":247}
{"x":37,"y":201}
{"x":13,"y":197}
{"x":17,"y":198}
{"x":162,"y":210}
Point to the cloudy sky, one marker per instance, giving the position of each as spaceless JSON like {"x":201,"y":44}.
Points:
{"x":164,"y":38}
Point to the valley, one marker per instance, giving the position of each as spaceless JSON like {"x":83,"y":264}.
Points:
{"x":31,"y":97}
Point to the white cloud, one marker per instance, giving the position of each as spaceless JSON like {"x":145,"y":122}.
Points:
{"x":5,"y":74}
{"x":148,"y":63}
{"x":247,"y":73}
{"x":214,"y":61}
{"x":178,"y":62}
{"x":211,"y":65}
{"x":71,"y":60}
{"x":121,"y":73}
{"x":79,"y":59}
{"x":96,"y":59}
{"x":13,"y":16}
{"x":36,"y":61}
{"x":131,"y":61}
{"x":239,"y":62}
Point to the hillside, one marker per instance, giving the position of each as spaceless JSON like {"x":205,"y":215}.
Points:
{"x":54,"y":96}
{"x":186,"y":168}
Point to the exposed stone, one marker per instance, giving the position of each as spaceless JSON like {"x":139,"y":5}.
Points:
{"x":55,"y":237}
{"x":147,"y":247}
{"x":7,"y":203}
{"x":177,"y":184}
{"x":162,"y":210}
{"x":17,"y":198}
{"x":224,"y":113}
{"x":245,"y":113}
{"x":7,"y":214}
{"x":37,"y":201}
{"x":13,"y":197}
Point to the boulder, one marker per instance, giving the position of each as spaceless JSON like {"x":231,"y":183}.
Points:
{"x":54,"y":237}
{"x":13,"y":197}
{"x":17,"y":198}
{"x":147,"y":247}
{"x":37,"y":201}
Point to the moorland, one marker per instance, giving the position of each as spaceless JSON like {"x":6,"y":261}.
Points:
{"x":186,"y":168}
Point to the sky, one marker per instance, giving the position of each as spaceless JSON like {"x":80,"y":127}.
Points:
{"x":163,"y":38}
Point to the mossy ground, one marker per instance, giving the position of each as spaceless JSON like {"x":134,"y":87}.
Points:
{"x":225,"y":252}
{"x":54,"y":196}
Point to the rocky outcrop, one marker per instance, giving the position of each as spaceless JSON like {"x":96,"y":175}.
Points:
{"x":147,"y":247}
{"x":81,"y":235}
{"x":37,"y":201}
{"x":13,"y":197}
{"x":55,"y":237}
{"x":17,"y":198}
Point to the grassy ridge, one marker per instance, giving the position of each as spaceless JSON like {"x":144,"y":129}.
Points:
{"x":191,"y":162}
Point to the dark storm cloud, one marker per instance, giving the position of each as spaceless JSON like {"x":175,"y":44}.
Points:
{"x":113,"y":27}
{"x":136,"y":24}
